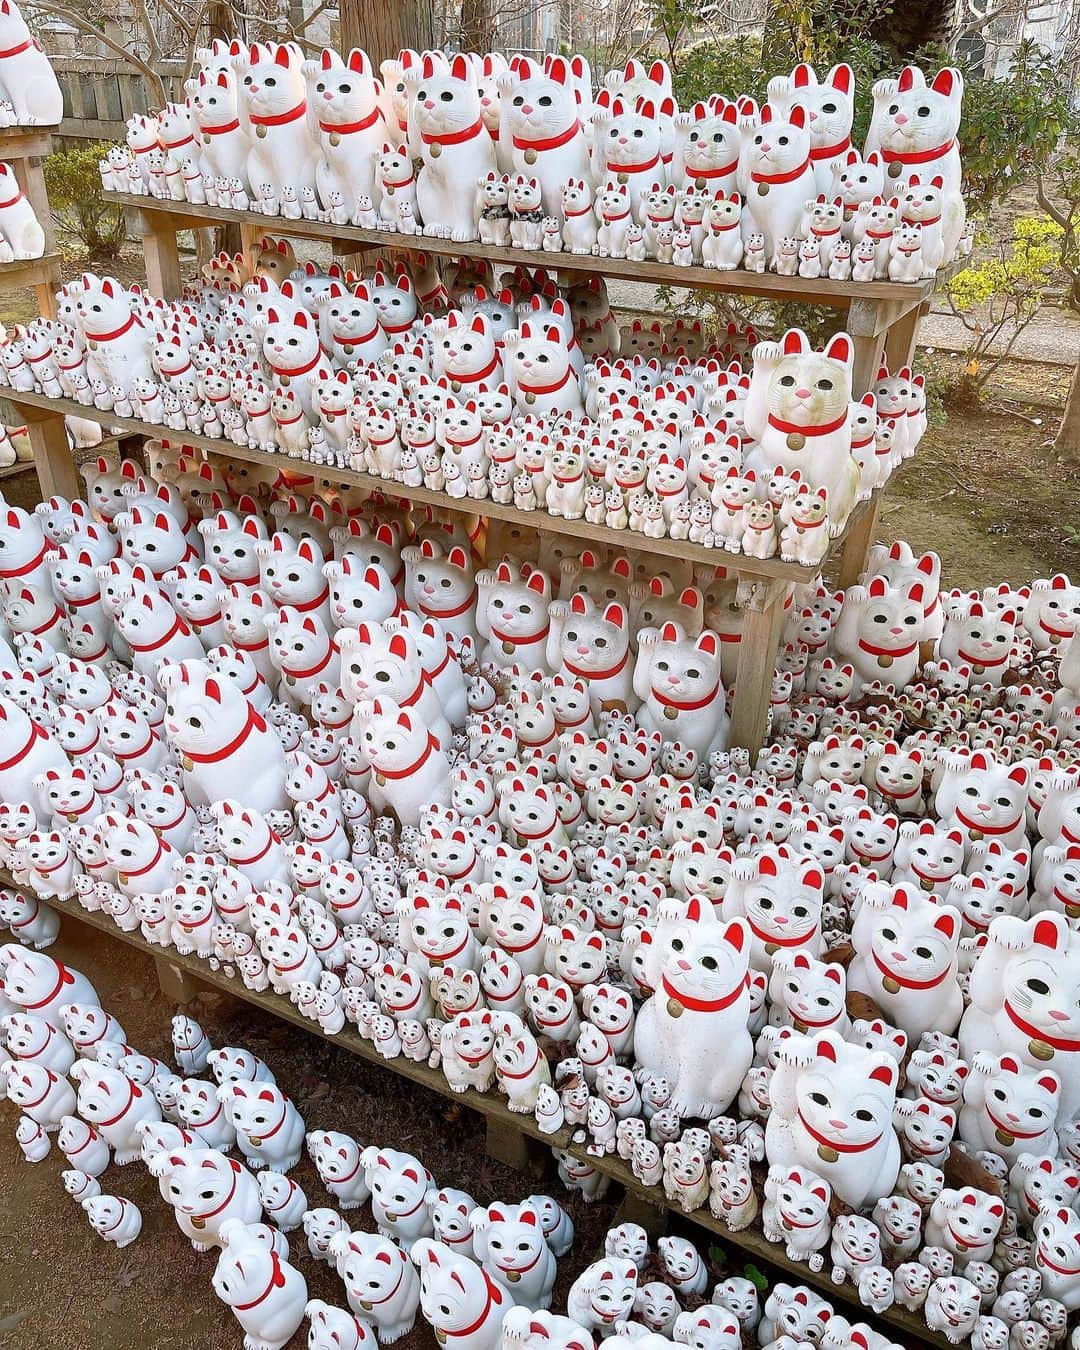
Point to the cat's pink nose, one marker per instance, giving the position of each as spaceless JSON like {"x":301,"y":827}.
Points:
{"x":526,"y":108}
{"x":429,"y":104}
{"x":896,"y":632}
{"x":813,"y":117}
{"x":583,"y":651}
{"x":765,"y":147}
{"x":899,"y":956}
{"x":684,"y":965}
{"x":838,"y":1124}
{"x":624,"y":140}
{"x":901,"y":119}
{"x":328,"y":96}
{"x":802,"y":393}
{"x":1059,"y":1016}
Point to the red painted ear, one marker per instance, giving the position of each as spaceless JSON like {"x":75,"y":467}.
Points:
{"x":735,"y":934}
{"x":944,"y":82}
{"x":946,"y":924}
{"x":213,"y":690}
{"x":826,"y":1050}
{"x":1046,"y":934}
{"x":884,"y":1073}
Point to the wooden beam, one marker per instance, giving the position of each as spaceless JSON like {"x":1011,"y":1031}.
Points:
{"x":855,"y":548}
{"x":762,"y":604}
{"x":176,"y":985}
{"x":55,"y":466}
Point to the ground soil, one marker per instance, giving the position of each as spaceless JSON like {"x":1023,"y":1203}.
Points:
{"x":62,"y":1288}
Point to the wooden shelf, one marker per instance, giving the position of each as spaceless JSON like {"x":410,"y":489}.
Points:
{"x":43,"y":271}
{"x":21,"y":142}
{"x":833,"y":294}
{"x":751,"y":1241}
{"x":627,"y":541}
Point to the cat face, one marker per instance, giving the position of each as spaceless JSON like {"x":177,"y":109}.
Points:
{"x":271,"y":79}
{"x":812,"y":992}
{"x":1020,"y":1102}
{"x":918,"y":116}
{"x":859,"y":1117}
{"x":712,"y":141}
{"x":592,"y":642}
{"x":342,"y":91}
{"x":443,"y":103}
{"x":631,"y":135}
{"x":807,"y":386}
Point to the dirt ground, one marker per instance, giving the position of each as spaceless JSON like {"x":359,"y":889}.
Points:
{"x":62,"y":1288}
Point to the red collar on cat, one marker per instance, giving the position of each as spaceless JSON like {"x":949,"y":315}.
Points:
{"x":774,"y":941}
{"x":635,"y":168}
{"x":905,"y":980}
{"x":886,"y":651}
{"x":774,"y":178}
{"x":830,"y":151}
{"x":720,"y":172}
{"x":836,"y":1144}
{"x":521,"y":641}
{"x":16,"y":51}
{"x":692,"y":706}
{"x":916,"y":156}
{"x":597,"y":674}
{"x":277,"y":1281}
{"x":453,"y":137}
{"x":1011,"y":1129}
{"x":1058,"y":1042}
{"x":549,"y":142}
{"x":254,"y":721}
{"x":795,"y":428}
{"x":986,"y":829}
{"x":465,"y":605}
{"x":222,"y":129}
{"x":344,"y":128}
{"x":280,"y":119}
{"x":432,"y":744}
{"x":702,"y":1004}
{"x":547,"y":388}
{"x":116,"y":332}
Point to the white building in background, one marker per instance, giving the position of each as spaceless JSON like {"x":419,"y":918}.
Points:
{"x":1053,"y":24}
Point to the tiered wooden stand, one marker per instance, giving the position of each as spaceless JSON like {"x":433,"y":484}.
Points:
{"x":25,"y":148}
{"x":508,"y":1134}
{"x":882,"y":318}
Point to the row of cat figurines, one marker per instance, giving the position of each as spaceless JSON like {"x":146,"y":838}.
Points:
{"x":261,"y":124}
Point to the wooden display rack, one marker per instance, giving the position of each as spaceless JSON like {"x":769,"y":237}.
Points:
{"x":882,"y":318}
{"x":25,"y":148}
{"x":507,"y":1132}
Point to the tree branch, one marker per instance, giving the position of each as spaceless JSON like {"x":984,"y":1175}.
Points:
{"x":85,"y":26}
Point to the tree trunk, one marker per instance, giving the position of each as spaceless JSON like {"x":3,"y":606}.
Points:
{"x":383,"y":28}
{"x":477,"y":27}
{"x":1068,"y":438}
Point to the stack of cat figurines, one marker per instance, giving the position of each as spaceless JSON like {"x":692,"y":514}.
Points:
{"x":29,"y":97}
{"x":517,"y":392}
{"x":444,"y":782}
{"x":527,"y":155}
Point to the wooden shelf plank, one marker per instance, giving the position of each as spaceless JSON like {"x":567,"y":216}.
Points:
{"x":750,"y":1241}
{"x":31,"y":272}
{"x":20,"y":142}
{"x":625,"y":541}
{"x":833,"y":294}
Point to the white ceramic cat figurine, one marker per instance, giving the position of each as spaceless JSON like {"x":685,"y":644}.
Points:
{"x":692,"y":1031}
{"x":797,"y":412}
{"x":453,"y":143}
{"x":914,"y":126}
{"x":27,"y":81}
{"x":18,"y":224}
{"x":832,"y":1106}
{"x":344,"y":98}
{"x":679,"y":684}
{"x":780,"y":175}
{"x":283,"y":152}
{"x":541,"y":113}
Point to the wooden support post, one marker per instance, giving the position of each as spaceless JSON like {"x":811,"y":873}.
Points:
{"x":901,"y":337}
{"x":856,"y":546}
{"x":55,"y":467}
{"x":506,"y":1144}
{"x":867,"y":335}
{"x":176,"y":985}
{"x":249,"y":238}
{"x":762,"y":603}
{"x":158,"y":237}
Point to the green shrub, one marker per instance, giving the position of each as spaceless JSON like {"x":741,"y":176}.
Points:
{"x":79,"y":210}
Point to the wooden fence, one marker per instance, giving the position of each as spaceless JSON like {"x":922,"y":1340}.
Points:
{"x":101,"y":94}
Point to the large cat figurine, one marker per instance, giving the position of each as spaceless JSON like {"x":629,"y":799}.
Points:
{"x":906,"y":959}
{"x":913,"y":127}
{"x":780,"y":174}
{"x":222,"y":141}
{"x":588,"y":644}
{"x":541,"y":113}
{"x":693,"y":1030}
{"x":118,"y":345}
{"x":797,"y":411}
{"x":1025,"y":999}
{"x":27,"y":80}
{"x":707,"y":146}
{"x":830,"y":106}
{"x":282,"y":151}
{"x":682,"y":694}
{"x":832,"y":1107}
{"x":344,"y":96}
{"x":454,"y":144}
{"x":879,"y":631}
